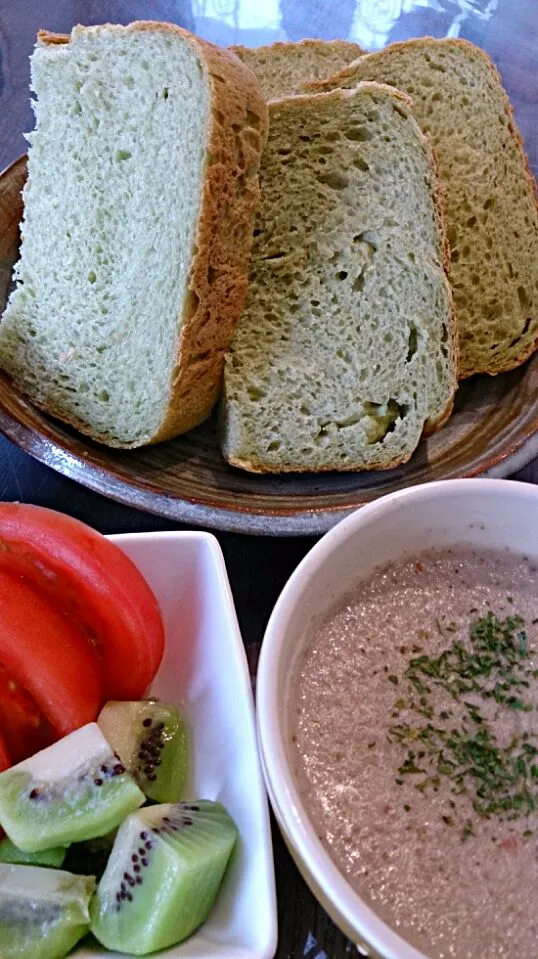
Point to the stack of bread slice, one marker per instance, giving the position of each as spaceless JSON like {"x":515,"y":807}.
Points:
{"x":318,"y":375}
{"x":392,"y":220}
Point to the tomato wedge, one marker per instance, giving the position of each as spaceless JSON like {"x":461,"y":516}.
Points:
{"x":92,"y":581}
{"x":5,"y":760}
{"x":48,"y":656}
{"x":22,"y":723}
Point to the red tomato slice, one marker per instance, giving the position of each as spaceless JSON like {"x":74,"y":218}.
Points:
{"x":47,"y":654}
{"x":91,"y":580}
{"x":22,"y":723}
{"x":5,"y":760}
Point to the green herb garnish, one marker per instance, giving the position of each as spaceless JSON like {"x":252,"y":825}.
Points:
{"x":491,"y":665}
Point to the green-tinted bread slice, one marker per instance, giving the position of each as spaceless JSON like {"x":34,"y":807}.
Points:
{"x":346,"y":351}
{"x":489,"y":192}
{"x":138,"y":210}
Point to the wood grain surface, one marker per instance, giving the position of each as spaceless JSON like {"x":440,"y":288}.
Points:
{"x":258,"y":568}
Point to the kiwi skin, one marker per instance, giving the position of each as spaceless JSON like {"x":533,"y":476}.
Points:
{"x":54,"y":858}
{"x":151,"y":740}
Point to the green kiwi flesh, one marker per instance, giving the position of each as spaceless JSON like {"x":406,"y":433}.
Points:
{"x":49,"y":857}
{"x":76,"y":789}
{"x":150,"y":739}
{"x":163,"y":875}
{"x":43,"y":912}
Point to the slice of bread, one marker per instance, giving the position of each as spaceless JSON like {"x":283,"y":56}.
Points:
{"x":142,"y":188}
{"x":283,"y":68}
{"x":346,"y":350}
{"x":490,"y":195}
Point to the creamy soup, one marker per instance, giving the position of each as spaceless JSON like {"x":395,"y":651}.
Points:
{"x":414,"y":734}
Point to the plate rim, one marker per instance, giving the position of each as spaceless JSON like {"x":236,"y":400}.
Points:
{"x":312,"y":522}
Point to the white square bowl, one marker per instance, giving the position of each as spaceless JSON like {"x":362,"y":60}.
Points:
{"x":204,"y":671}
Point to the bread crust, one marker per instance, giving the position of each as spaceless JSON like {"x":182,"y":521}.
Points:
{"x":281,"y":66}
{"x":218,"y":276}
{"x":475,"y":51}
{"x":435,"y":423}
{"x":289,"y":46}
{"x":432,"y":424}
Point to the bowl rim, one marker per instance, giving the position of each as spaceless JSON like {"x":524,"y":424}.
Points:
{"x":346,"y":907}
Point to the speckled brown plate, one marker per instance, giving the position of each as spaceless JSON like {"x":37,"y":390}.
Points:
{"x":492,"y":432}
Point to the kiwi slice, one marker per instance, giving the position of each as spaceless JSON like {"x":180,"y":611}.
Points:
{"x":49,"y":857}
{"x":74,"y":790}
{"x":163,"y":875}
{"x":43,"y":912}
{"x":150,"y":739}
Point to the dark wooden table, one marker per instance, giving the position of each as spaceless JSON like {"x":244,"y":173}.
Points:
{"x":258,"y":568}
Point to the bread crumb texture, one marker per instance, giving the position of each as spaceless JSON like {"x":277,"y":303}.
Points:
{"x":346,"y":350}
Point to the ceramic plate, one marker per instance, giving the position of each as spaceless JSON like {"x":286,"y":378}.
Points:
{"x":204,"y":671}
{"x":493,"y":432}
